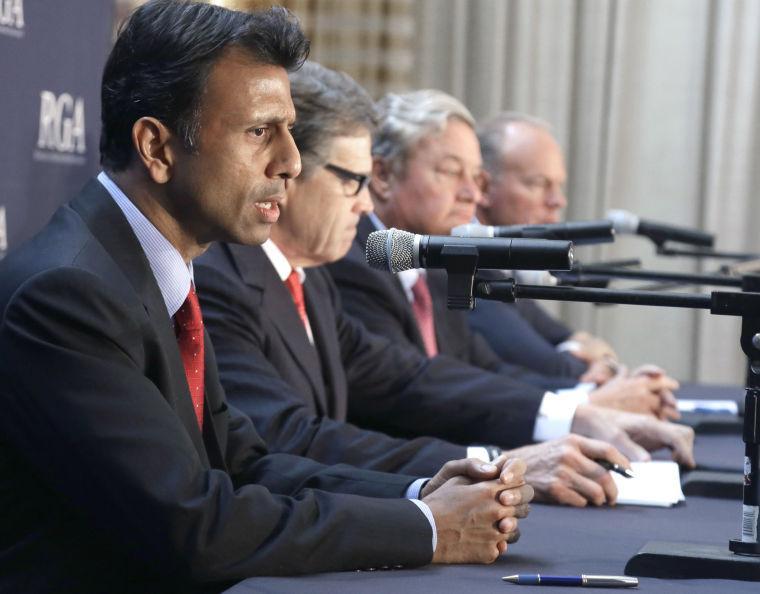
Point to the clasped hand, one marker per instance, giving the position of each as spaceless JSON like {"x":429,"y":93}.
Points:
{"x":476,"y":506}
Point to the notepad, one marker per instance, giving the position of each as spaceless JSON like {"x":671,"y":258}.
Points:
{"x":656,"y":483}
{"x":727,"y":407}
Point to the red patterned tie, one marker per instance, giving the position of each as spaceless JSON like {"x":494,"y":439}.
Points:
{"x":189,"y":329}
{"x":293,"y":283}
{"x":423,"y":311}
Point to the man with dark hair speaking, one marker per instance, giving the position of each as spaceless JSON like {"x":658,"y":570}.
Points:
{"x":123,"y":467}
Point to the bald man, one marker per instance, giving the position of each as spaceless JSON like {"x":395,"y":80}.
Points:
{"x":427,"y":178}
{"x":527,"y":175}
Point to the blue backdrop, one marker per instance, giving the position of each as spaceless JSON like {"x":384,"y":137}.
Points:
{"x":51,"y":60}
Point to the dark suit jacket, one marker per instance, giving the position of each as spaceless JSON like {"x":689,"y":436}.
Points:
{"x":106,"y":483}
{"x":522,"y":332}
{"x":378,"y":299}
{"x":546,"y":325}
{"x":295,"y":393}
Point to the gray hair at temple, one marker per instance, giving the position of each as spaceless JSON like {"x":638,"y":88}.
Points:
{"x":328,"y":104}
{"x":407,"y":118}
{"x":492,"y":134}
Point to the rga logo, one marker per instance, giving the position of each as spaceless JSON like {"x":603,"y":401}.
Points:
{"x":12,"y":17}
{"x":3,"y":233}
{"x":61,"y":137}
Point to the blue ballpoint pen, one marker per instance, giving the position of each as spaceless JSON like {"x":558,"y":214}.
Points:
{"x":599,"y":581}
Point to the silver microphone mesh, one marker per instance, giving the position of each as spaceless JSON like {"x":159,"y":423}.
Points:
{"x":391,"y":250}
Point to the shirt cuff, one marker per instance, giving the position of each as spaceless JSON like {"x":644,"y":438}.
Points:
{"x":569,"y":346}
{"x":413,"y":490}
{"x":580,"y":392}
{"x":478,"y":452}
{"x":429,"y":515}
{"x":555,"y":415}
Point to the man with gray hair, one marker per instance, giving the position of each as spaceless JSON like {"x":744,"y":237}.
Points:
{"x":527,"y":176}
{"x":427,"y":177}
{"x":300,"y":374}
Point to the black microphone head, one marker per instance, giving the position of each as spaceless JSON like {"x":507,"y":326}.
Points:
{"x":391,"y":250}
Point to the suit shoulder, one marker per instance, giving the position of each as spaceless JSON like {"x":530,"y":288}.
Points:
{"x":217,"y":258}
{"x":64,"y":257}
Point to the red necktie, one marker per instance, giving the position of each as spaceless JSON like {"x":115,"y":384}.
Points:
{"x":189,"y":330}
{"x":423,"y":311}
{"x":293,"y":283}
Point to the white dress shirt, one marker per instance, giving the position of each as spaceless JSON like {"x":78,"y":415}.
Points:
{"x":174,"y":278}
{"x":283,"y":269}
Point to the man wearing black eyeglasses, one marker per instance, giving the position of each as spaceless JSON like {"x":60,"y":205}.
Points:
{"x":287,"y":355}
{"x":301,"y":368}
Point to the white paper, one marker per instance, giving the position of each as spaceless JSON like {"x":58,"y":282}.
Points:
{"x":730,"y":407}
{"x":656,"y":483}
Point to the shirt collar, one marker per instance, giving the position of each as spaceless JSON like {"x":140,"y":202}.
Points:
{"x":172,"y":275}
{"x":280,"y":262}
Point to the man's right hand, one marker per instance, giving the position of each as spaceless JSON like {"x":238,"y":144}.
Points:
{"x":475,"y":521}
{"x":563,"y":470}
{"x":592,"y":348}
{"x":634,"y":434}
{"x":642,"y":392}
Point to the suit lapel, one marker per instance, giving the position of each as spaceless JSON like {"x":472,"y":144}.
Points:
{"x":259,"y":274}
{"x":402,"y":304}
{"x":438,"y":285}
{"x":108,"y":224}
{"x":323,"y":325}
{"x":214,"y":425}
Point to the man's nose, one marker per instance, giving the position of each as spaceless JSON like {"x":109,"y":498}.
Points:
{"x":286,"y":160}
{"x":556,"y":198}
{"x":364,"y":202}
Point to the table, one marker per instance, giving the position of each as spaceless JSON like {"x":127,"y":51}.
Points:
{"x":562,"y":540}
{"x":554,"y":540}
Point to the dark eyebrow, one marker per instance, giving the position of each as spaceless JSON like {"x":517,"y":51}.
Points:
{"x":277,"y":119}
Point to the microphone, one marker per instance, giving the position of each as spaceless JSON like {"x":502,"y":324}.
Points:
{"x":627,"y":222}
{"x":579,"y":232}
{"x":395,"y":250}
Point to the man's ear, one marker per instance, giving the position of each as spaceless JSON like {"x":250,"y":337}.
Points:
{"x":151,"y":139}
{"x":485,"y":203}
{"x":381,"y":180}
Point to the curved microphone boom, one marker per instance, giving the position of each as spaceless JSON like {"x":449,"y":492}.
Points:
{"x":579,"y":232}
{"x":394,"y":250}
{"x":627,"y":222}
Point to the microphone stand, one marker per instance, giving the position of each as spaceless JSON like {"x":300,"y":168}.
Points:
{"x":626,"y":263}
{"x":685,"y":560}
{"x":599,"y":273}
{"x":664,"y":250}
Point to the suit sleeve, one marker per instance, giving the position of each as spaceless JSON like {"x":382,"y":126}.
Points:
{"x":483,"y":355}
{"x":513,"y":338}
{"x":546,"y":325}
{"x":256,"y":387}
{"x":81,"y":404}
